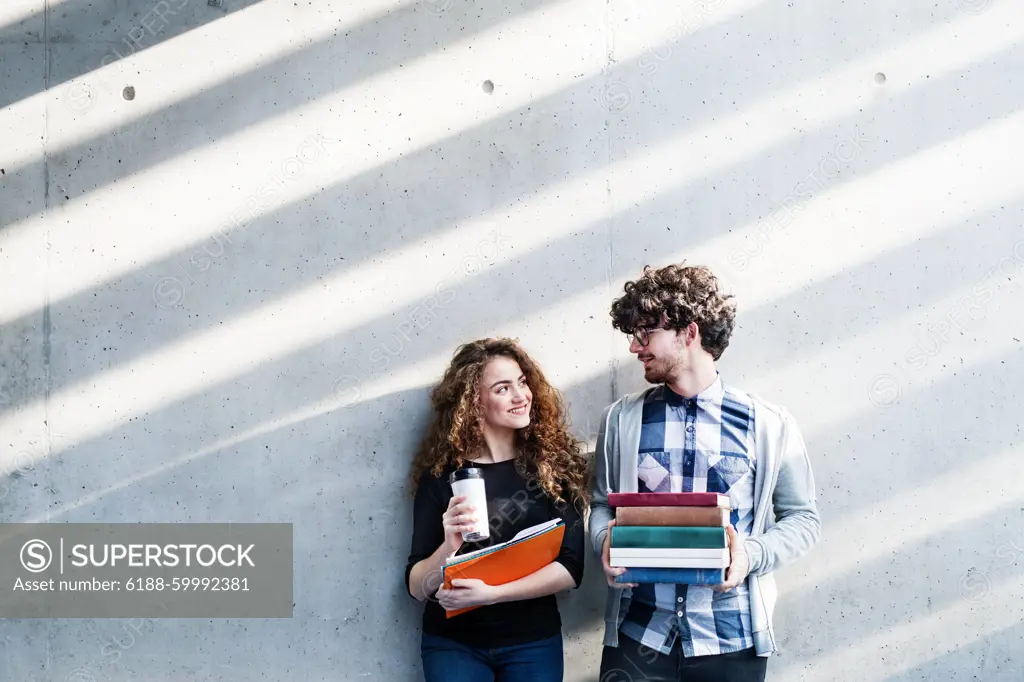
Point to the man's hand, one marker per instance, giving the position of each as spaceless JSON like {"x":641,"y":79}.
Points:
{"x":739,"y":566}
{"x":611,"y":571}
{"x":467,"y":592}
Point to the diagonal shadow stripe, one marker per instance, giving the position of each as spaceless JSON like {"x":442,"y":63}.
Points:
{"x":955,"y":256}
{"x":221,"y":413}
{"x":922,"y":576}
{"x":362,"y":466}
{"x":220,"y":289}
{"x":951,"y":403}
{"x":877,"y":655}
{"x":992,"y":659}
{"x":245,"y":100}
{"x":106,"y":32}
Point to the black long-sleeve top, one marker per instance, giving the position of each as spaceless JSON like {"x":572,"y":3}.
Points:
{"x":514,"y":503}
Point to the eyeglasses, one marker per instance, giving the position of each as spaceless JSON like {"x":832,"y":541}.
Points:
{"x":643,"y":334}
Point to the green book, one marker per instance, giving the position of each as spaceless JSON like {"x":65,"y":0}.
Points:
{"x":669,"y":537}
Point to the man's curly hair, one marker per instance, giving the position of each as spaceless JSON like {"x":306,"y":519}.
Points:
{"x":551,"y":453}
{"x":678,"y":294}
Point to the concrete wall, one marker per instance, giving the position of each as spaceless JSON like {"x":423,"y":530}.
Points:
{"x":225,"y":293}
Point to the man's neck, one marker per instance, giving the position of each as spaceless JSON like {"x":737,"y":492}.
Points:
{"x":691,"y":382}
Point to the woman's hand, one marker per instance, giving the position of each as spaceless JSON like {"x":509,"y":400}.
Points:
{"x":467,"y":592}
{"x":459,"y":518}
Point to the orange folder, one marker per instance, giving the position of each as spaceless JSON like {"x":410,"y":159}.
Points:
{"x":530,"y":551}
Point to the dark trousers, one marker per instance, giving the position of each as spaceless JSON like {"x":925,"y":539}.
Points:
{"x":633,"y":662}
{"x":445,"y":660}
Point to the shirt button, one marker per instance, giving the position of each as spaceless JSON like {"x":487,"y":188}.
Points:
{"x":690,"y":429}
{"x":679,"y":613}
{"x":679,"y":599}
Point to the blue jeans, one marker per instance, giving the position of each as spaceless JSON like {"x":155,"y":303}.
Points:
{"x":445,"y":660}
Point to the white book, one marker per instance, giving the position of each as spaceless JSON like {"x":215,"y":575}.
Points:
{"x":631,"y":557}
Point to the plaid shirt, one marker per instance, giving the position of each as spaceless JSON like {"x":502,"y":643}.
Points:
{"x":704,"y":444}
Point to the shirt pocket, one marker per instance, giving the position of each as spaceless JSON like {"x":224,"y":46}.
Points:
{"x":727,"y":472}
{"x":655,"y":469}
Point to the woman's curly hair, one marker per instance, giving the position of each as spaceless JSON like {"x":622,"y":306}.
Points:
{"x":678,"y":294}
{"x":550,"y":453}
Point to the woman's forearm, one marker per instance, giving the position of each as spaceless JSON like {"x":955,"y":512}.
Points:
{"x":551,"y":579}
{"x":425,"y":576}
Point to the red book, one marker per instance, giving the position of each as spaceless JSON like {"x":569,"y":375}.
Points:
{"x":669,"y":500}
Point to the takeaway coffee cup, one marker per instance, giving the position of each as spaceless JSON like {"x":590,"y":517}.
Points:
{"x":470,"y":482}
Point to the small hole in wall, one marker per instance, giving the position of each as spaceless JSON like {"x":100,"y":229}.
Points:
{"x":880,"y":78}
{"x":488,"y":87}
{"x":128,"y":93}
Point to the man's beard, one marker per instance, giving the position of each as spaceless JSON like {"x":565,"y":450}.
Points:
{"x":659,"y":371}
{"x":654,"y":372}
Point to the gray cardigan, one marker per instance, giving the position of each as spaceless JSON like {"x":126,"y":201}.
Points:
{"x":786,"y":520}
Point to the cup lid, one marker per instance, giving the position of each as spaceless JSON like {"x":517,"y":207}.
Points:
{"x":463,"y":474}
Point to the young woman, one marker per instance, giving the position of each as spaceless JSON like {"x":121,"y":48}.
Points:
{"x":494,"y":410}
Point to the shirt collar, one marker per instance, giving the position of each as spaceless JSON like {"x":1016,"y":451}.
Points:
{"x":712,"y":395}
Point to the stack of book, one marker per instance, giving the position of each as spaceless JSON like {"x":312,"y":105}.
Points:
{"x":670,"y":537}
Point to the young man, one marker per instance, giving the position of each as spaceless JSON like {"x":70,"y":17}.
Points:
{"x":690,"y":432}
